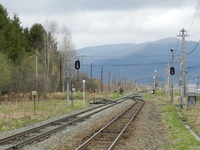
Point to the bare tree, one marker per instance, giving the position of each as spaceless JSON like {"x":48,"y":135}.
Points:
{"x":67,"y":49}
{"x":50,"y":54}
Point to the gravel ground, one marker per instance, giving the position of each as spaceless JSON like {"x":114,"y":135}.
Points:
{"x":12,"y":132}
{"x":73,"y":136}
{"x":146,"y":133}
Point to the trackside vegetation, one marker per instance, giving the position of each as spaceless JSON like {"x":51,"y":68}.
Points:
{"x":17,"y":114}
{"x":179,"y":137}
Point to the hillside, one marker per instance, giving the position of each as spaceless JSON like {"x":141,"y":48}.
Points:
{"x":138,"y":61}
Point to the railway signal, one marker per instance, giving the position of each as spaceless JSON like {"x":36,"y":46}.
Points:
{"x":172,"y":70}
{"x":77,"y":64}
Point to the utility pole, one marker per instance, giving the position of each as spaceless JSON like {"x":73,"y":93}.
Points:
{"x":101,"y":79}
{"x":197,"y":81}
{"x":91,"y":69}
{"x":77,"y":79}
{"x":172,"y":92}
{"x":168,"y":80}
{"x":166,"y":88}
{"x":82,"y":67}
{"x":61,"y":74}
{"x":36,"y":83}
{"x":182,"y":81}
{"x":155,"y":81}
{"x":68,"y":80}
{"x":109,"y":81}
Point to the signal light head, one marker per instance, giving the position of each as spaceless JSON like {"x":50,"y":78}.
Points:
{"x":172,"y":70}
{"x":77,"y":64}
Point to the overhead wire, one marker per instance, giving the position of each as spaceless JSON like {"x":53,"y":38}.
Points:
{"x":194,"y":16}
{"x":120,"y":65}
{"x":193,"y":48}
{"x":176,"y":47}
{"x":191,"y":27}
{"x":126,"y":56}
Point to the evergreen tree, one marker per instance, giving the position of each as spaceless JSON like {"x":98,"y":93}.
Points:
{"x":4,"y":22}
{"x":37,"y":33}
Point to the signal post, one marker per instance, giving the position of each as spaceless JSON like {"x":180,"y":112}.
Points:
{"x":172,"y":72}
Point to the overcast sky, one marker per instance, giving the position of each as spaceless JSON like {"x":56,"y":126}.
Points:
{"x":96,"y":22}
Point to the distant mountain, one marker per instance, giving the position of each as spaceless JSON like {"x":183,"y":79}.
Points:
{"x":139,"y":61}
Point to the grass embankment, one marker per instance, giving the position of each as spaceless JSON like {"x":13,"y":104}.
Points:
{"x":179,"y":137}
{"x":17,"y":114}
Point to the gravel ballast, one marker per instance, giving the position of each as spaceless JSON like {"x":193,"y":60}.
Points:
{"x":73,"y":136}
{"x":146,"y":132}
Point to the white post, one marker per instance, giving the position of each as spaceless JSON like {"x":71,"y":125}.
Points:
{"x":68,"y":80}
{"x":67,"y":93}
{"x":83,"y":91}
{"x":36,"y":82}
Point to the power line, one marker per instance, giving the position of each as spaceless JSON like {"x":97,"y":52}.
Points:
{"x":146,"y":64}
{"x":128,"y":56}
{"x":176,"y":49}
{"x":193,"y":48}
{"x":194,"y":16}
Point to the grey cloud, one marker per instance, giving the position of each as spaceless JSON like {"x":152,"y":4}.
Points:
{"x":47,"y":7}
{"x":115,"y":4}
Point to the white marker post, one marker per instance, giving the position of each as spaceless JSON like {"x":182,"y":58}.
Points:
{"x":83,"y":91}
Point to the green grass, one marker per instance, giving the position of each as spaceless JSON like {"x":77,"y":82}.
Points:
{"x":179,"y":135}
{"x":149,"y":97}
{"x":115,"y":96}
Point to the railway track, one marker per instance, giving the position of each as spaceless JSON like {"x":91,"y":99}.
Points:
{"x":40,"y":133}
{"x":108,"y":136}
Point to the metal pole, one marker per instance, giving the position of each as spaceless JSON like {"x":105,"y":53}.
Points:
{"x":91,"y":69}
{"x":182,"y":69}
{"x":61,"y":74}
{"x":165,"y":75}
{"x":101,"y":79}
{"x":67,"y":93}
{"x":197,"y":83}
{"x":68,"y":80}
{"x":168,"y":79}
{"x":36,"y":84}
{"x":83,"y":91}
{"x":172,"y":93}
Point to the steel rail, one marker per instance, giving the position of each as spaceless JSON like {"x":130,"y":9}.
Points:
{"x":127,"y":125}
{"x":3,"y":140}
{"x":62,"y":126}
{"x":87,"y":142}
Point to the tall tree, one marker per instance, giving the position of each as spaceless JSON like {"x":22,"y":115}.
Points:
{"x":37,"y":32}
{"x":67,"y":50}
{"x":50,"y":55}
{"x":4,"y":23}
{"x":5,"y":75}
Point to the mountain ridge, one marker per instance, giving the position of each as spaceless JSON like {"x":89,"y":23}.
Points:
{"x":139,"y":61}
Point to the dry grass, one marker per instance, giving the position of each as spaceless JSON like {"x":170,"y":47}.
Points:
{"x":18,"y":110}
{"x":21,"y":112}
{"x":192,"y":117}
